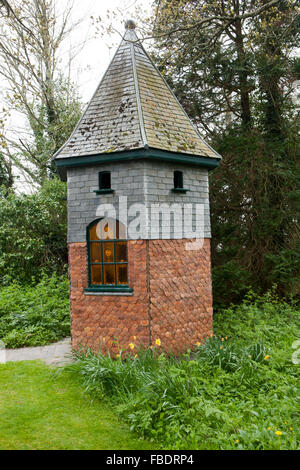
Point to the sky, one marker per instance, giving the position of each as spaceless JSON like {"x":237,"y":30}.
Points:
{"x":91,"y":63}
{"x":93,"y":58}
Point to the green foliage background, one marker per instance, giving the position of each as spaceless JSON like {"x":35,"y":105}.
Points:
{"x":234,"y":76}
{"x":33,"y":232}
{"x":35,"y":315}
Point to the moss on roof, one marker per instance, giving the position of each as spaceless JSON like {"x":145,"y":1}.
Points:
{"x":133,"y":108}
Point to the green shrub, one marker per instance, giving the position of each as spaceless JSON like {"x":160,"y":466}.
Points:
{"x":235,"y":393}
{"x":33,"y":230}
{"x":35,"y":315}
{"x":30,"y":336}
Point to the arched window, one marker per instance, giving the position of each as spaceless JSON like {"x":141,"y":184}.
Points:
{"x":107,"y":255}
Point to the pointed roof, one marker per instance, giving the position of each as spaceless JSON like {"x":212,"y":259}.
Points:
{"x":133,"y":108}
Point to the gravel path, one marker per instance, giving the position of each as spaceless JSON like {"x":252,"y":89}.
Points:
{"x":56,"y":353}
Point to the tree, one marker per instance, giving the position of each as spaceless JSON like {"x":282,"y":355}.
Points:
{"x":37,"y":89}
{"x":214,"y":43}
{"x":232,"y":64}
{"x":6,"y":6}
{"x":6,"y":177}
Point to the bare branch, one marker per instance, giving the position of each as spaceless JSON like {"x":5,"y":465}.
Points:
{"x":211,"y":19}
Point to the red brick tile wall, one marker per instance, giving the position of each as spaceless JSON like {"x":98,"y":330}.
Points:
{"x":172,"y":298}
{"x":108,"y":321}
{"x":180,"y":293}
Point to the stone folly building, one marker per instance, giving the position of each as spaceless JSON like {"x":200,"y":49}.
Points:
{"x":133,"y":150}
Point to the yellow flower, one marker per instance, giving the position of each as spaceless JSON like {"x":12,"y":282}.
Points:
{"x":291,"y":429}
{"x":237,"y":440}
{"x":285,"y":422}
{"x":226,"y":337}
{"x":278,"y":433}
{"x":134,"y":337}
{"x":269,"y":428}
{"x":266,"y":358}
{"x":198,"y":344}
{"x":131,"y":345}
{"x":222,"y":339}
{"x":221,"y":347}
{"x":211,"y":335}
{"x":117,"y":355}
{"x":135,"y":356}
{"x":157,"y":342}
{"x":151,"y":347}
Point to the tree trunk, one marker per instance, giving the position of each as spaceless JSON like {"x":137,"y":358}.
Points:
{"x":243,"y":74}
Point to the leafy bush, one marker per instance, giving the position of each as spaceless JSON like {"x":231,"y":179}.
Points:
{"x":236,"y":391}
{"x":33,"y":232}
{"x":35,"y":315}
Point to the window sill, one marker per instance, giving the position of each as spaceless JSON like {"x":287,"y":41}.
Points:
{"x":179,"y":190}
{"x":108,"y":291}
{"x":103,"y":191}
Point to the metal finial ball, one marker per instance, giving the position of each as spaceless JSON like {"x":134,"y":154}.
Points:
{"x":130,"y":24}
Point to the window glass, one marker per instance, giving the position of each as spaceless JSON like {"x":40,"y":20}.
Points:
{"x":178,"y":179}
{"x":95,"y":252}
{"x":121,"y":252}
{"x":109,"y":273}
{"x":104,"y":180}
{"x":107,"y":253}
{"x":122,"y":275}
{"x":96,"y":274}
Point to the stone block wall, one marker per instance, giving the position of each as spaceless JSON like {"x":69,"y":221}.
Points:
{"x":142,"y":182}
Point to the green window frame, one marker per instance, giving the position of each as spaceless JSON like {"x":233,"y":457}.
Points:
{"x":178,"y":179}
{"x":178,"y":182}
{"x":107,"y":258}
{"x":104,"y":182}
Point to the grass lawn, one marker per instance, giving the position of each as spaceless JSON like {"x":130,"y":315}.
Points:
{"x":40,"y":409}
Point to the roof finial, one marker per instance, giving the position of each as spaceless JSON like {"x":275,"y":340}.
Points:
{"x":130,"y":24}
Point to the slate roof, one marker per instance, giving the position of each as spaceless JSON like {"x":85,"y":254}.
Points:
{"x":133,"y":108}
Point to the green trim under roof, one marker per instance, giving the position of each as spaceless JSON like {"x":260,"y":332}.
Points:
{"x":139,"y":154}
